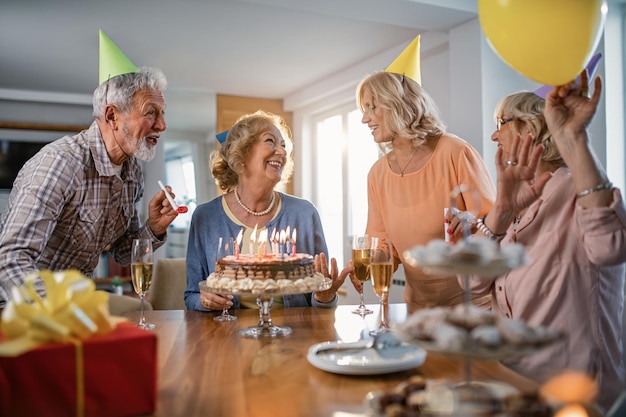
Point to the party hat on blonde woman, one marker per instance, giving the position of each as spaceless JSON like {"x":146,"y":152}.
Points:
{"x":408,"y":62}
{"x":113,"y":62}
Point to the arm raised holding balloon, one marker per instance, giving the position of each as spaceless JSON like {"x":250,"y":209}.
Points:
{"x":568,"y":112}
{"x":554,"y":198}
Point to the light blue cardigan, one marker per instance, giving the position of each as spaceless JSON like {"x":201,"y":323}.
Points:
{"x":209,"y":221}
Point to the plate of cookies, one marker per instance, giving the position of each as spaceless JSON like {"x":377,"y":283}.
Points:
{"x":471,"y":332}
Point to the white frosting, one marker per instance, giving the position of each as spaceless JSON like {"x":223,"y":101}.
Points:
{"x":260,"y":286}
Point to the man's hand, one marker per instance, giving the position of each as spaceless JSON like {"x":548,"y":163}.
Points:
{"x":160,"y":213}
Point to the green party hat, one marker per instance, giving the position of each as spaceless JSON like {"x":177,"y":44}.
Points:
{"x":113,"y":62}
{"x":408,"y":62}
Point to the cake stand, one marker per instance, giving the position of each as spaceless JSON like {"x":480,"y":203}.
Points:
{"x":264,"y":300}
{"x":496,"y":265}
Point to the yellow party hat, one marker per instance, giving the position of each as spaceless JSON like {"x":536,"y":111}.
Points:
{"x":112,"y":60}
{"x":408,"y":62}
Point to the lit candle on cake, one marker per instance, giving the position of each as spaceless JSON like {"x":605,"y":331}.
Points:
{"x":288,"y":240}
{"x":262,"y":243}
{"x":293,"y":242}
{"x":274,"y":242}
{"x":283,"y":238}
{"x":251,"y":241}
{"x":238,"y":245}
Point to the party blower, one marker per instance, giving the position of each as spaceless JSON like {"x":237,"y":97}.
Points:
{"x":179,"y":209}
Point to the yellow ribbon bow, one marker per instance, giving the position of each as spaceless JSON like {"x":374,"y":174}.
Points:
{"x":71,"y":310}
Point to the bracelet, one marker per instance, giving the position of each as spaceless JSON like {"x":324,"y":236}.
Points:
{"x":599,"y":187}
{"x":482,"y":227}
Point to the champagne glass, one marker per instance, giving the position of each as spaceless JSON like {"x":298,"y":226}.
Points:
{"x":381,"y":272}
{"x":141,"y":264}
{"x":225,"y":247}
{"x":360,"y":262}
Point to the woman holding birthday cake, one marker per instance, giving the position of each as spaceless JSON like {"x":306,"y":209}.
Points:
{"x":255,"y":156}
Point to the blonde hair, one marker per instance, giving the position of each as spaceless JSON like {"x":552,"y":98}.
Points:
{"x":228,"y":161}
{"x":526,"y":109}
{"x":409,"y":110}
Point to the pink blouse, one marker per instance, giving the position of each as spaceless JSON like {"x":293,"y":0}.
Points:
{"x":574,"y":282}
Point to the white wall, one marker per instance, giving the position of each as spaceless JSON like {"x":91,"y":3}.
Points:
{"x":614,"y":66}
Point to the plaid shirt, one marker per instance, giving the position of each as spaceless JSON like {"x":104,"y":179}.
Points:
{"x":66,"y":207}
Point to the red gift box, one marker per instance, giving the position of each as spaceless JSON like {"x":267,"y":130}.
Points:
{"x":119,"y":377}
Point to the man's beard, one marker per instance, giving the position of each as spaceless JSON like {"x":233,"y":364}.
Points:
{"x":143,"y":151}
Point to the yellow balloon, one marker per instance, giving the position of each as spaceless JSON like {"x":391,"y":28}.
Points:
{"x":548,"y":41}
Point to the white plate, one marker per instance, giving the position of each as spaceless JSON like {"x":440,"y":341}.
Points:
{"x":365,"y":362}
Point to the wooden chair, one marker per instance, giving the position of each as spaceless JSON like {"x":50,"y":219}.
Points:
{"x":168,"y":284}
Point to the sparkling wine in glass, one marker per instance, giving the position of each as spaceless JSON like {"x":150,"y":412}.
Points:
{"x":141,"y":266}
{"x":381,"y":272}
{"x":360,"y":262}
{"x":225,"y":247}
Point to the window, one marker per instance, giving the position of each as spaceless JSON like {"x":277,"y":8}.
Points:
{"x":344,"y":152}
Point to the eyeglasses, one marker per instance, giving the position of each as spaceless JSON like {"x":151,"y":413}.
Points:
{"x":502,"y":121}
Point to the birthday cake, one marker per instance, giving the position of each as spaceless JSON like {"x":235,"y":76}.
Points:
{"x":246,"y":273}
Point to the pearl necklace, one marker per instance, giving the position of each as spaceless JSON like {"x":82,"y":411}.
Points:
{"x":256,"y":213}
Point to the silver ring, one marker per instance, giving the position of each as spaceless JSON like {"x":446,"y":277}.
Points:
{"x":511,"y":163}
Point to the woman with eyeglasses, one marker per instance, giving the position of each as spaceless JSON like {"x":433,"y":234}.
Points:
{"x":554,"y":197}
{"x":410,"y":186}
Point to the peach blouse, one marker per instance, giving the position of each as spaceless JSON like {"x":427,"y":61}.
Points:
{"x":409,"y":210}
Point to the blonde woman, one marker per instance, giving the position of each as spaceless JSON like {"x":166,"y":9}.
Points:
{"x":555,"y":198}
{"x":409,"y":187}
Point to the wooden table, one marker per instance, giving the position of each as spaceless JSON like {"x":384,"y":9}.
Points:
{"x":207,"y":369}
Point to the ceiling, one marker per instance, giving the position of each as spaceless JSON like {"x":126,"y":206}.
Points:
{"x":256,"y":48}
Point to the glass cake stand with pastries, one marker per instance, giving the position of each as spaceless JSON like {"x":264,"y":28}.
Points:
{"x":467,"y":331}
{"x":265,"y":276}
{"x":475,"y":256}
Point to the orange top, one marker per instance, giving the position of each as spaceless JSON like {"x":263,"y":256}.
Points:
{"x":409,"y":209}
